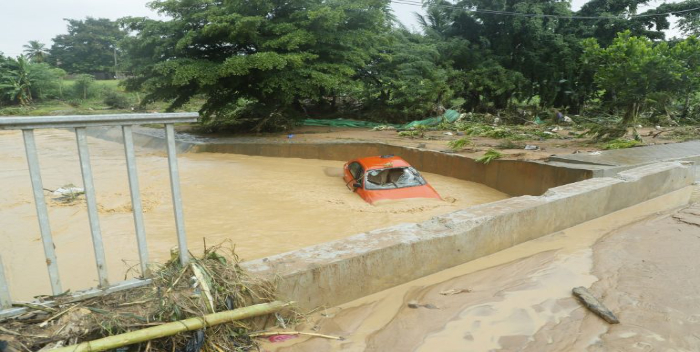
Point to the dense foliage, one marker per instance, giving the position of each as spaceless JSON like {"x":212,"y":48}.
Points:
{"x":22,"y":81}
{"x":265,"y":64}
{"x":89,"y":47}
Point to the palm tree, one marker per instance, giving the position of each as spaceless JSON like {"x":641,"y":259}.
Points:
{"x":36,"y":51}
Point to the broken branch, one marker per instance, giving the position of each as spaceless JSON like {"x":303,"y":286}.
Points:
{"x":594,"y":305}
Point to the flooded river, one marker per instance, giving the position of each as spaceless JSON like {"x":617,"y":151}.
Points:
{"x":262,"y":205}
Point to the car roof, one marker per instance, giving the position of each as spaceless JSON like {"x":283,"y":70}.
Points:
{"x":381,"y":162}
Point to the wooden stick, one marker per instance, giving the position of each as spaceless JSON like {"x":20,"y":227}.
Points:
{"x":35,"y":307}
{"x":8,"y":331}
{"x":594,"y":305}
{"x":275,"y":333}
{"x":169,"y":329}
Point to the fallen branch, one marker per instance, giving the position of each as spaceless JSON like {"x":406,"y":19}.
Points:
{"x":594,"y":305}
{"x":35,"y":307}
{"x":8,"y":331}
{"x":275,"y":333}
{"x":169,"y":329}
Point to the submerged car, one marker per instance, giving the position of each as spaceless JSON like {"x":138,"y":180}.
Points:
{"x":386,"y":177}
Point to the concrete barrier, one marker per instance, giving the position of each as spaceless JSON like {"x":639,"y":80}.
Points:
{"x":340,"y":271}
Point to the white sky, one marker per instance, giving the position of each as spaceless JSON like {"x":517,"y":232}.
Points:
{"x":25,"y":20}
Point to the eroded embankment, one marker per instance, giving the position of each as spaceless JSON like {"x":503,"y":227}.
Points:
{"x":263,"y":205}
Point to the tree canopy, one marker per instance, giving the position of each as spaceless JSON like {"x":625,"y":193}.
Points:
{"x":89,"y":46}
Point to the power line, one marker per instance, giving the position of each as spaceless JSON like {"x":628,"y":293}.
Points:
{"x":537,"y":15}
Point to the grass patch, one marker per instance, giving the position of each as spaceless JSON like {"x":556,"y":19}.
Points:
{"x":621,"y":144}
{"x":459,"y":144}
{"x":489,"y":156}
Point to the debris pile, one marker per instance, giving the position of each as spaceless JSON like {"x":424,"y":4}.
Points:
{"x":213,"y":283}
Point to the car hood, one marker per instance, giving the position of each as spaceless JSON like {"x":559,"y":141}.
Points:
{"x":425,"y":191}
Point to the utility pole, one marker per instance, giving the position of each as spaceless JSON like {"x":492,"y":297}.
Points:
{"x":116,"y":74}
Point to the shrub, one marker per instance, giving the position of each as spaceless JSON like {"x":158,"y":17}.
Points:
{"x":83,"y":87}
{"x":116,"y":100}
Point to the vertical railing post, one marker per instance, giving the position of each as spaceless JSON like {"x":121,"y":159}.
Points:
{"x":41,"y":211}
{"x":136,"y":199}
{"x":177,"y":196}
{"x":93,"y":218}
{"x":5,"y":300}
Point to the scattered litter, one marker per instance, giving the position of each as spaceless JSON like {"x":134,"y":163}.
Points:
{"x":658,"y":127}
{"x":383,"y":128}
{"x":595,"y":153}
{"x":556,"y":128}
{"x":290,"y":136}
{"x":496,"y":121}
{"x":64,"y":191}
{"x":531,"y":147}
{"x":449,"y":134}
{"x":455,"y":291}
{"x":291,"y":334}
{"x":281,"y":338}
{"x":415,"y":304}
{"x":568,"y":119}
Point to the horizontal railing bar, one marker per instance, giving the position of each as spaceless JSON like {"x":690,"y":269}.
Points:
{"x":65,"y":121}
{"x":81,"y":295}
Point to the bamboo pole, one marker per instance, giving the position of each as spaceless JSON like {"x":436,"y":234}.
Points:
{"x":173,"y":328}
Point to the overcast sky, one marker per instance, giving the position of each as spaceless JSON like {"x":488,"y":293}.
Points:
{"x":25,"y":20}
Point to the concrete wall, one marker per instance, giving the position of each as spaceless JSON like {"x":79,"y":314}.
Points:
{"x":340,"y":271}
{"x":509,"y":176}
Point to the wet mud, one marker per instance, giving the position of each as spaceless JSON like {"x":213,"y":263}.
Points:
{"x":261,"y":205}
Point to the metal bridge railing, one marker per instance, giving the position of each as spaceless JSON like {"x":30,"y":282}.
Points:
{"x":79,"y":123}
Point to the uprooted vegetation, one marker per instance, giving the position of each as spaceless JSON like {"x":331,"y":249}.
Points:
{"x":212,"y":283}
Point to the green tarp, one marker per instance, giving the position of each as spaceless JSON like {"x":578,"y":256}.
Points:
{"x":449,"y":116}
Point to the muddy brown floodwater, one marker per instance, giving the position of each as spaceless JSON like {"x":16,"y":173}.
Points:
{"x":262,"y":205}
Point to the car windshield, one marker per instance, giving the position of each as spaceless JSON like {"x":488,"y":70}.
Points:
{"x":392,"y":178}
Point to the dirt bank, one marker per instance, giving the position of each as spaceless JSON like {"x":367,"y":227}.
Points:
{"x":520,"y":299}
{"x":263,"y":205}
{"x":438,"y":140}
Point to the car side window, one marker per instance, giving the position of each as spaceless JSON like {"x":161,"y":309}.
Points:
{"x":356,"y":170}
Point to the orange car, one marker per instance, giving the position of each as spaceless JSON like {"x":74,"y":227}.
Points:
{"x":386,"y":177}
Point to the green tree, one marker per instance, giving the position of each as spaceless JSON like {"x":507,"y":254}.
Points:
{"x":407,"y":81}
{"x":89,"y":47}
{"x":83,"y":87}
{"x":258,"y":63}
{"x":35,"y":51}
{"x":687,"y":54}
{"x":631,"y":70}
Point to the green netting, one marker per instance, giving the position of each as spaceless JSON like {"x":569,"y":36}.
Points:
{"x":449,"y":116}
